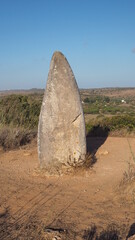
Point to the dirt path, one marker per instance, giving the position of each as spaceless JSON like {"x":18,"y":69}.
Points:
{"x":33,"y":206}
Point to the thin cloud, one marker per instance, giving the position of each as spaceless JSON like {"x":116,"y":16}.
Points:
{"x":133,"y":50}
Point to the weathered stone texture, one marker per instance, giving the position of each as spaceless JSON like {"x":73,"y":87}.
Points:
{"x":61,"y":130}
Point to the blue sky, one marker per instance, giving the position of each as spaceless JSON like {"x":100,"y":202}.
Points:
{"x":96,"y":36}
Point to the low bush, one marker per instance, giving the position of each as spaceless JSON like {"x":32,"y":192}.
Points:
{"x":118,"y":122}
{"x":11,"y":138}
{"x":101,"y":127}
{"x":19,"y":116}
{"x":20,"y":110}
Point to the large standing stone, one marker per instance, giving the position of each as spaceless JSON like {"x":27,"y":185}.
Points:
{"x":61,"y":130}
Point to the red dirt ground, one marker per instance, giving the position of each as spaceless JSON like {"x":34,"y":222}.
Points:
{"x":33,"y":206}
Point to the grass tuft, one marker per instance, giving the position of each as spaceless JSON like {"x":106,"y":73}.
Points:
{"x":11,"y":138}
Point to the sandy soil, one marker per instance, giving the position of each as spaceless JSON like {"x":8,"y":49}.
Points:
{"x":76,"y":206}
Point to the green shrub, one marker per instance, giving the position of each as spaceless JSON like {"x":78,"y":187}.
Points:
{"x":19,"y":115}
{"x":119,"y":122}
{"x":105,"y":125}
{"x":87,"y":100}
{"x":91,"y":110}
{"x":19,"y":110}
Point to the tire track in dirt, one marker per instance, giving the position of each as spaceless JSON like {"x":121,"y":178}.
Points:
{"x":37,"y":202}
{"x":31,"y":201}
{"x":51,"y":202}
{"x":67,"y":206}
{"x":30,"y":207}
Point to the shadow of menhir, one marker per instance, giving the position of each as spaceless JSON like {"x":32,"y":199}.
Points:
{"x":95,"y":138}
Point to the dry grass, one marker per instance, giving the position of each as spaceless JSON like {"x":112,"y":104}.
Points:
{"x":11,"y":138}
{"x":129,"y":175}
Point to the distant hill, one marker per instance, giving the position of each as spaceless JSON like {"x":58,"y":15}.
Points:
{"x":94,"y":91}
{"x":22,"y":91}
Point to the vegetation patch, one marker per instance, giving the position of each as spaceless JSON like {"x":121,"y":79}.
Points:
{"x":20,"y":110}
{"x":11,"y":138}
{"x":100,"y":104}
{"x":106,"y":125}
{"x":19,"y":116}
